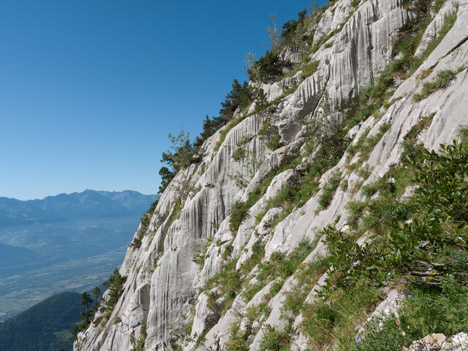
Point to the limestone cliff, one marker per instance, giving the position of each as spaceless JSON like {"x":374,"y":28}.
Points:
{"x":169,"y":299}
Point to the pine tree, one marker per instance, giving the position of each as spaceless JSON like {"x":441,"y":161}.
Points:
{"x":96,"y":295}
{"x":86,"y":301}
{"x":116,"y":282}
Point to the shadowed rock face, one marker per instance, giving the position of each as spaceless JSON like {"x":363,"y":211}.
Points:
{"x":163,"y":289}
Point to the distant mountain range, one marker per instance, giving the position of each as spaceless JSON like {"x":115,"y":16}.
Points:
{"x":64,"y":242}
{"x":62,"y":207}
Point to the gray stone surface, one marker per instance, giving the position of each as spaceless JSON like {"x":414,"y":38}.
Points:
{"x":458,"y":342}
{"x":164,"y":287}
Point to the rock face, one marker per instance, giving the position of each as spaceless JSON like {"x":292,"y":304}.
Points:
{"x":428,"y":343}
{"x":190,"y":239}
{"x":434,"y":342}
{"x":458,"y":342}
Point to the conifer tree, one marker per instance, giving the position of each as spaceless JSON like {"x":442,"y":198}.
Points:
{"x":86,"y":302}
{"x":96,"y":295}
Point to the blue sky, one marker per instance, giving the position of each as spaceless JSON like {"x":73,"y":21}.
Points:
{"x":90,"y":89}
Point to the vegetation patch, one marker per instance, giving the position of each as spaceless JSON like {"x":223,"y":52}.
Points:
{"x":276,"y":340}
{"x":238,"y":153}
{"x":449,"y":21}
{"x":427,"y":310}
{"x":402,"y":66}
{"x":237,"y":340}
{"x":440,"y":81}
{"x":307,"y":275}
{"x":323,"y":40}
{"x":329,"y":321}
{"x":309,"y":69}
{"x":230,"y":280}
{"x":419,"y":243}
{"x":355,"y":3}
{"x":115,"y":285}
{"x":271,"y":133}
{"x":329,"y":190}
{"x":240,"y":209}
{"x":145,"y":221}
{"x":279,"y":266}
{"x":268,"y":68}
{"x":199,"y":258}
{"x":328,"y":148}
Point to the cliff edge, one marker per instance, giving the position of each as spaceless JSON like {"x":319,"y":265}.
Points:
{"x":240,"y":246}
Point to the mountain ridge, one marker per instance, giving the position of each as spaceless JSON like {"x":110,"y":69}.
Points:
{"x":50,"y":208}
{"x":49,"y":245}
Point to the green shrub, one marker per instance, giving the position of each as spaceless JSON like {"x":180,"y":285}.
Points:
{"x":370,"y":142}
{"x":293,"y":28}
{"x":240,"y":209}
{"x":283,"y":266}
{"x":237,"y":342}
{"x":275,"y":288}
{"x":274,"y":339}
{"x":323,"y":40}
{"x":355,"y":212}
{"x":274,"y":140}
{"x":267,"y":68}
{"x":427,"y":310}
{"x":440,"y":81}
{"x":330,"y":321}
{"x":329,"y":190}
{"x":138,"y":344}
{"x":309,"y":69}
{"x":295,"y":196}
{"x":251,"y":290}
{"x":271,"y":132}
{"x":354,"y":148}
{"x":230,"y":280}
{"x":368,"y":190}
{"x":115,"y":284}
{"x":437,"y":5}
{"x":136,"y":243}
{"x":416,"y":233}
{"x":145,"y":221}
{"x":238,"y":153}
{"x":241,"y":96}
{"x":306,"y":276}
{"x":382,"y":212}
{"x":449,"y":21}
{"x":344,"y":185}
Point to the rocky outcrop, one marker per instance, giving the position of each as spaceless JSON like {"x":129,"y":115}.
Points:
{"x":190,"y":239}
{"x":434,"y":342}
{"x":458,"y":342}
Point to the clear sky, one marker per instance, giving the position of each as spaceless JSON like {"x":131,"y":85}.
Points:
{"x":90,"y":89}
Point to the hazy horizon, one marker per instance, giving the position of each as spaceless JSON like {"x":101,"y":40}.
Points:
{"x":77,"y":192}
